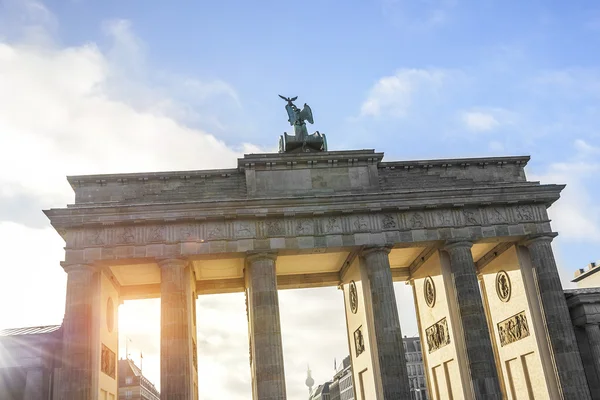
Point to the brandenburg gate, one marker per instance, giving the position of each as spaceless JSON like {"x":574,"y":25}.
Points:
{"x":471,"y":236}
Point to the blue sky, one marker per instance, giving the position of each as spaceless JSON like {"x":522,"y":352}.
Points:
{"x":119,"y":86}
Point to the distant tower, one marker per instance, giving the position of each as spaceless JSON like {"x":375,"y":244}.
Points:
{"x":309,"y":381}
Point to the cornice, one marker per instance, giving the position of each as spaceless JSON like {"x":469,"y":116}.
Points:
{"x":309,"y":160}
{"x":101,"y":179}
{"x":293,"y":161}
{"x":481,"y":162}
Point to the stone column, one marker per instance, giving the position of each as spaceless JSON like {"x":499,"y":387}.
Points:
{"x":478,"y":345}
{"x":386,"y":324}
{"x":266,"y":347}
{"x":175,"y":335}
{"x":593,"y":336}
{"x":77,"y":333}
{"x":564,"y":350}
{"x":34,"y":384}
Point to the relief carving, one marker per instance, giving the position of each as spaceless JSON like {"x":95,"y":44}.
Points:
{"x":503,"y":287}
{"x":513,"y":329}
{"x":216,"y":231}
{"x":443,"y":217}
{"x":497,"y":215}
{"x":332,"y":225}
{"x":429,"y":292}
{"x":187,"y":232}
{"x":275,"y":228}
{"x":195,"y":355}
{"x":126,"y":235}
{"x":471,"y":217}
{"x":304,"y":227}
{"x":108,"y":361}
{"x":94,"y":237}
{"x":244,"y":229}
{"x":388,"y":221}
{"x":417,"y":220}
{"x":524,"y":213}
{"x":353,"y":297}
{"x":360,"y":223}
{"x":359,"y":341}
{"x":156,"y":233}
{"x":437,"y":335}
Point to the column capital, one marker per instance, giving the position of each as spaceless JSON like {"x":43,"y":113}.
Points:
{"x":252,"y":256}
{"x":457,"y":243}
{"x":79,"y":267}
{"x":375,"y":249}
{"x":541,"y":237}
{"x":171,"y":262}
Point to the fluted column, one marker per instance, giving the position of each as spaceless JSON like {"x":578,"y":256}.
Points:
{"x":478,"y":346}
{"x":266,"y":347}
{"x":593,"y":336}
{"x":175,"y":335}
{"x":34,"y":384}
{"x":386,"y":322}
{"x":567,"y":360}
{"x":77,"y":333}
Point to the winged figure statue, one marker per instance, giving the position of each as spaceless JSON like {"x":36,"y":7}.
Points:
{"x":297,"y":118}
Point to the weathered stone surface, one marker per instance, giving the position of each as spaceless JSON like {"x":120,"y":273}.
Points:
{"x":388,"y":335}
{"x":77,"y":334}
{"x":266,"y":347}
{"x":176,"y":366}
{"x":565,"y":352}
{"x":34,"y":384}
{"x":593,"y":334}
{"x":480,"y":356}
{"x":302,"y":203}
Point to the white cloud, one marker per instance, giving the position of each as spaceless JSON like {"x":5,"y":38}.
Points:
{"x":577,"y":214}
{"x":57,"y":117}
{"x":585,"y":148}
{"x":79,"y":110}
{"x":478,"y":121}
{"x":393,"y":95}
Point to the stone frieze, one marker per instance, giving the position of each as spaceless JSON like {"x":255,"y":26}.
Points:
{"x":390,"y":223}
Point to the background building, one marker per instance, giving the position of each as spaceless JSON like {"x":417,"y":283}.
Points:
{"x":321,"y":392}
{"x":341,"y":386}
{"x":29,"y":361}
{"x":132,"y":383}
{"x":30,"y":367}
{"x":416,"y":368}
{"x":589,"y":277}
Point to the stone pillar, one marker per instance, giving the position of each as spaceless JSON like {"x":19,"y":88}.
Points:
{"x":77,"y":333}
{"x":175,"y":335}
{"x":34,"y":384}
{"x":386,"y":324}
{"x":567,"y":360}
{"x":593,"y":336}
{"x":266,"y":347}
{"x":478,"y":345}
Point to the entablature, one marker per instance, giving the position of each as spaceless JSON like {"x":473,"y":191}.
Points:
{"x":117,"y":214}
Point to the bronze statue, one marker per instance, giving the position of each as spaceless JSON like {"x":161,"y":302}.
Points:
{"x":301,"y":141}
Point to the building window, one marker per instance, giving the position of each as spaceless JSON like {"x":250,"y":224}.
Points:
{"x":128,"y":394}
{"x":128,"y":380}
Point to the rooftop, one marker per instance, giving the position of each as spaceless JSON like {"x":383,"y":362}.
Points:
{"x":581,"y":273}
{"x":32,"y":330}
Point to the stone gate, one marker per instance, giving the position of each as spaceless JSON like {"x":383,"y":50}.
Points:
{"x":472,"y":237}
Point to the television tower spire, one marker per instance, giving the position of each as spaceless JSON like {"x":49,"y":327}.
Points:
{"x":309,"y":381}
